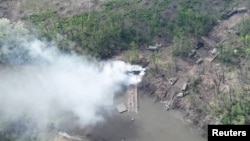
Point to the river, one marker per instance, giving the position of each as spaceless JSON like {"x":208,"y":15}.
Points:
{"x":152,"y":123}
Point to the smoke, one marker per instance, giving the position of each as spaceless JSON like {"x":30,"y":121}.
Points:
{"x":39,"y":81}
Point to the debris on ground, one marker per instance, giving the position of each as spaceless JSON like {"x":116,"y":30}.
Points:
{"x":184,"y":87}
{"x":199,"y":61}
{"x":121,"y":108}
{"x":172,"y":81}
{"x":214,"y":51}
{"x":154,"y":48}
{"x":192,"y":53}
{"x":67,"y":136}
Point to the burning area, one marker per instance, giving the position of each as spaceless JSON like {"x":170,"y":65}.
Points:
{"x":41,"y":87}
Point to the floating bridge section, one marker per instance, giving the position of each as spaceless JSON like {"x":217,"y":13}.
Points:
{"x":132,"y":99}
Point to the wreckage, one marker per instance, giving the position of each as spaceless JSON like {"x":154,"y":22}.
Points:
{"x":136,"y":70}
{"x":154,"y":48}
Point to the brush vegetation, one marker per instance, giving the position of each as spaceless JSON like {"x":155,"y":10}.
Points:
{"x":118,"y":23}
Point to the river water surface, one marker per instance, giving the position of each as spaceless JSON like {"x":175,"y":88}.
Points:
{"x":152,"y":123}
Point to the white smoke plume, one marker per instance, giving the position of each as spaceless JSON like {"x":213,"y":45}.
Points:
{"x":37,"y":80}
